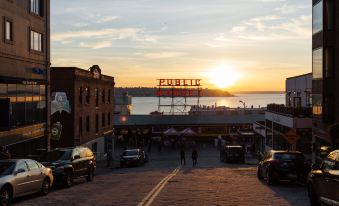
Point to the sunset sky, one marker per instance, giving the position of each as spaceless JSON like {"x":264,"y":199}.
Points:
{"x":249,"y":44}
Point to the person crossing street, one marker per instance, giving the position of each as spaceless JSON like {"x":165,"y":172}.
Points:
{"x":194,"y":157}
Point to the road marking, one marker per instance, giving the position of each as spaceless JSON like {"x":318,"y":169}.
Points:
{"x":148,"y":200}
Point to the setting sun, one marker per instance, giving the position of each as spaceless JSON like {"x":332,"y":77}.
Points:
{"x":224,"y":75}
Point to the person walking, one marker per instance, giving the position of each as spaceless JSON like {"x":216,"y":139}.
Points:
{"x":182,"y":157}
{"x":194,"y":157}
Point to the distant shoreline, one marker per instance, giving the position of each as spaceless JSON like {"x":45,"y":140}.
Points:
{"x":260,"y":92}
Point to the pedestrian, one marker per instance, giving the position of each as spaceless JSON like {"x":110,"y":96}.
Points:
{"x":194,"y":157}
{"x":182,"y":157}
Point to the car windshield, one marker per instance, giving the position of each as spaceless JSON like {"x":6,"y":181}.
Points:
{"x":6,"y":168}
{"x":288,"y":156}
{"x":56,"y":155}
{"x":130,"y":153}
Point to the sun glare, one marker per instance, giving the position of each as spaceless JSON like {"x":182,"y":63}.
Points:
{"x":223,"y":75}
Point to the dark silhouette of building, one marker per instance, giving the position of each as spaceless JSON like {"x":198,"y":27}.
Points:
{"x":325,"y":47}
{"x":82,"y":108}
{"x":24,"y":75}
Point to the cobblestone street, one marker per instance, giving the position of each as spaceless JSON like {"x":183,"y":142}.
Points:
{"x":210,"y":183}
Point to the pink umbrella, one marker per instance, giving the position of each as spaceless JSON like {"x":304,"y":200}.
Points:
{"x":188,"y":132}
{"x":171,"y":132}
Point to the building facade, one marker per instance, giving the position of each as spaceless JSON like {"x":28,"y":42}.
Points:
{"x":289,"y":126}
{"x":325,"y":59}
{"x":24,"y":75}
{"x":82,"y":108}
{"x":299,"y":90}
{"x":123,"y":104}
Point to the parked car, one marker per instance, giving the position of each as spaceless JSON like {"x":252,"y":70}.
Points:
{"x":282,"y":165}
{"x":23,"y":177}
{"x":70,"y":163}
{"x":323,"y":181}
{"x":133,"y":157}
{"x":232,"y":153}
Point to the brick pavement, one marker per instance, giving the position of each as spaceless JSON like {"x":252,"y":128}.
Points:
{"x":210,"y":183}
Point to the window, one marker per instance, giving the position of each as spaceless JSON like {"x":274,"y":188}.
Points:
{"x":329,"y":12}
{"x":317,"y":104}
{"x":109,"y":119}
{"x":36,"y":7}
{"x":80,"y":95}
{"x":87,"y":123}
{"x":8,"y":30}
{"x":22,"y":165}
{"x":317,"y":63}
{"x":36,"y":41}
{"x":103,"y":95}
{"x":80,"y":126}
{"x":318,"y":17}
{"x":329,"y":62}
{"x":109,"y":96}
{"x":87,"y":94}
{"x":32,"y":165}
{"x":96,"y":123}
{"x":103,"y":123}
{"x":96,"y":97}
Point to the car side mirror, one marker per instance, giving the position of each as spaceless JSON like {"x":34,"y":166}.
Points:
{"x":19,"y":171}
{"x":76,"y":157}
{"x":316,"y":166}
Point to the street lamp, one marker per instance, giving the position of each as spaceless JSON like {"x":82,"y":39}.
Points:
{"x":243,"y":103}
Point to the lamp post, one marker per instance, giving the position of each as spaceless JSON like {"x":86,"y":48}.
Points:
{"x":243,"y":104}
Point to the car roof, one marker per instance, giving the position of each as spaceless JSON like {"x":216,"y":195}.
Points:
{"x":131,"y":150}
{"x":15,"y":160}
{"x":285,"y":151}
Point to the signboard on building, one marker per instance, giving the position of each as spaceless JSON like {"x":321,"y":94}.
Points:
{"x":179,"y":88}
{"x":60,"y":103}
{"x":56,"y":131}
{"x":291,"y":136}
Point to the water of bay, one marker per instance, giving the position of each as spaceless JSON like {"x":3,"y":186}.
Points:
{"x":145,"y":105}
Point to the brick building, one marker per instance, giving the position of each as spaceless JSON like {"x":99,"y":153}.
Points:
{"x":82,"y":108}
{"x":24,"y":75}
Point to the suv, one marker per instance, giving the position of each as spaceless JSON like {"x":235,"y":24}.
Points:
{"x":235,"y":153}
{"x":70,"y":163}
{"x":323,"y":181}
{"x":133,"y":157}
{"x":282,"y":165}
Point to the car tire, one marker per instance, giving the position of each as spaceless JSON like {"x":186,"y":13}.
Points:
{"x":5,"y":196}
{"x":314,"y":199}
{"x":269,"y":178}
{"x":68,"y":179}
{"x":90,"y":174}
{"x":259,"y":174}
{"x":45,"y":187}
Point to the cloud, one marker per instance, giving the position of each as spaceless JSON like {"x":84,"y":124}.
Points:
{"x":108,"y":19}
{"x":162,"y":55}
{"x":273,"y":28}
{"x":79,"y":24}
{"x":289,"y":9}
{"x":134,"y":34}
{"x":96,"y":45}
{"x":271,"y":0}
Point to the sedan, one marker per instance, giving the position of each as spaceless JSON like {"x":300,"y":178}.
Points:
{"x":23,"y":177}
{"x":282,"y":165}
{"x":133,"y":157}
